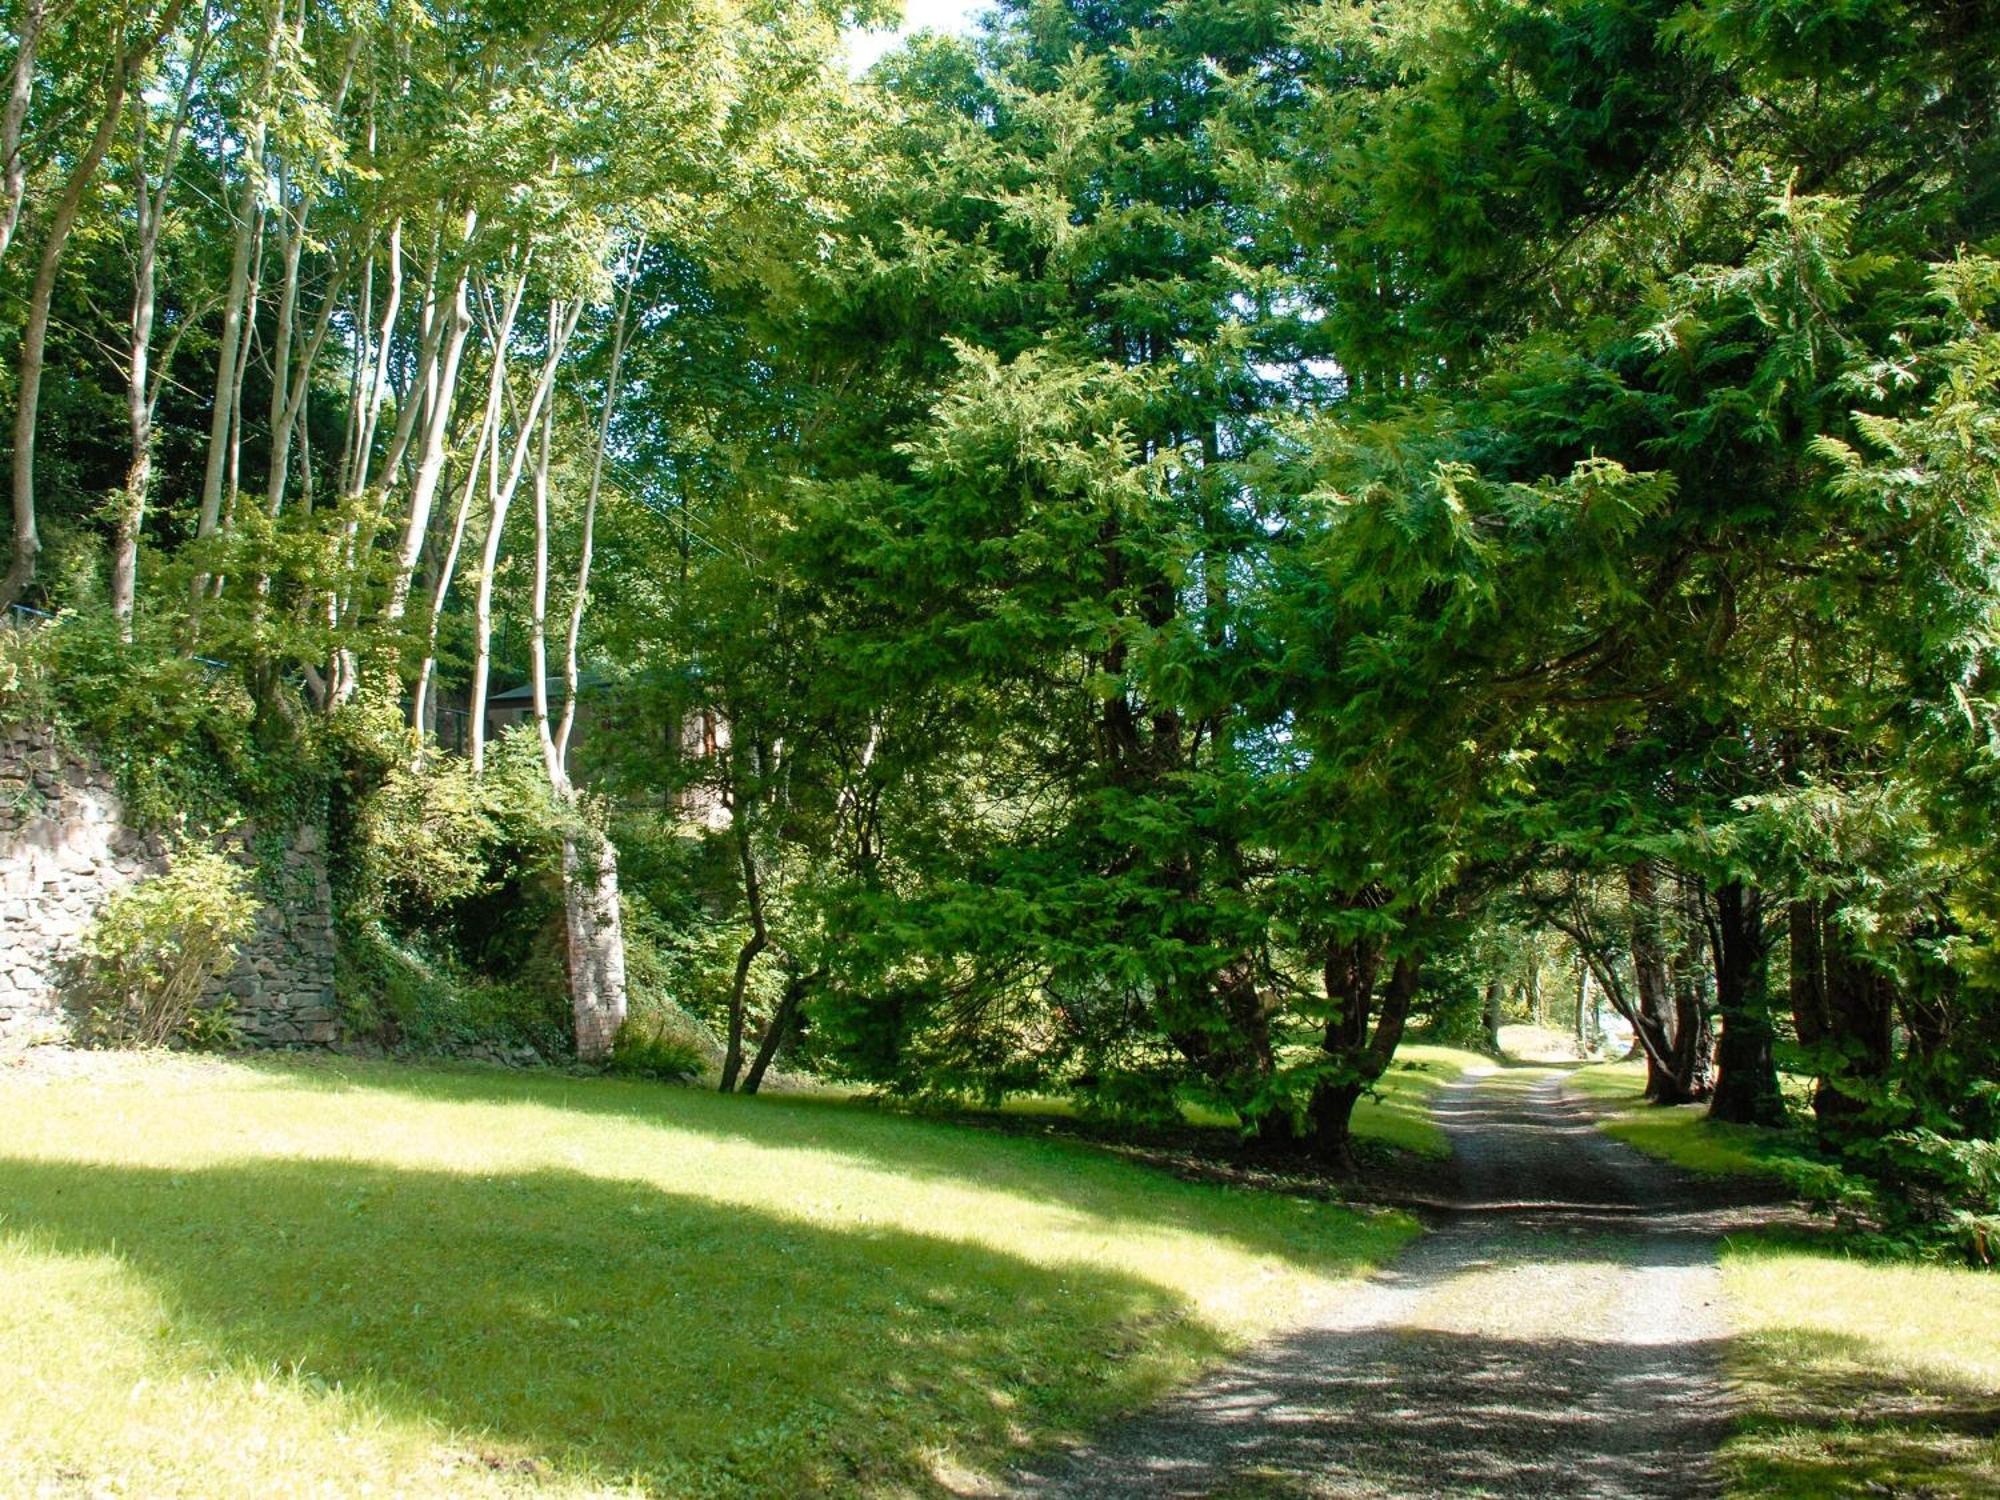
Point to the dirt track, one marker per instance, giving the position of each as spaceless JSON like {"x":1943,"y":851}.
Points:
{"x":1559,"y":1334}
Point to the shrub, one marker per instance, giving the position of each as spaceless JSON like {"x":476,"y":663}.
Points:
{"x":153,"y":946}
{"x":403,"y":997}
{"x":180,"y":732}
{"x":652,"y":1046}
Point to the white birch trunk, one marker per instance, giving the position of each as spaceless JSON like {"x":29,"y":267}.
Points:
{"x":619,"y":332}
{"x":20,"y":90}
{"x":561,"y":324}
{"x":35,"y":332}
{"x":596,"y":946}
{"x":437,"y":423}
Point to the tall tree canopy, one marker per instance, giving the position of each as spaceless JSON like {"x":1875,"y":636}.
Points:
{"x":1126,"y":550}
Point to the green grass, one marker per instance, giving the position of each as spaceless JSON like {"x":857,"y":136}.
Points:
{"x":1855,"y":1376}
{"x":1400,"y":1114}
{"x":1682,"y":1134}
{"x":1397,"y":1115}
{"x":1861,"y":1377}
{"x":346,"y":1278}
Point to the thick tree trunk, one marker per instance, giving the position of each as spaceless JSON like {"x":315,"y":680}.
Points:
{"x":1746,"y":1084}
{"x":1694,"y":1040}
{"x":1844,"y":1009}
{"x":1668,"y":1030}
{"x":596,"y":946}
{"x":1492,"y":1016}
{"x":1330,"y":1119}
{"x":1350,"y":974}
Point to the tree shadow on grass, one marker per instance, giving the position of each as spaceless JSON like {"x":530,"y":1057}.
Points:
{"x":613,"y":1331}
{"x":1824,"y":1419}
{"x":1086,"y":1180}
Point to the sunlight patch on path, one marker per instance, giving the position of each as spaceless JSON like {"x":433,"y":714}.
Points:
{"x":1553,"y":1337}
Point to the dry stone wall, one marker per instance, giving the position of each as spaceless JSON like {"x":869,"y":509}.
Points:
{"x":65,"y":846}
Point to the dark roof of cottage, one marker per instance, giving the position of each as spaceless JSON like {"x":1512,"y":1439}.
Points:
{"x":525,"y":693}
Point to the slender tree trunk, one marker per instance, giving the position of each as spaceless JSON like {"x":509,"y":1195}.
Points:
{"x":150,"y":209}
{"x":781,"y":1027}
{"x":14,"y":120}
{"x":561,"y":324}
{"x":538,"y":609}
{"x":431,"y":456}
{"x":292,"y":390}
{"x":589,"y":538}
{"x":423,"y":704}
{"x":430,"y":344}
{"x":1493,"y":996}
{"x":756,"y":943}
{"x":235,"y":306}
{"x":232,"y":485}
{"x":41,"y":295}
{"x":373,"y":372}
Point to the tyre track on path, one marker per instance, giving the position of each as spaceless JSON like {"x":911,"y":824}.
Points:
{"x":1560,"y":1333}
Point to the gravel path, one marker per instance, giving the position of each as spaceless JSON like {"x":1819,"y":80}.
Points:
{"x":1559,"y":1334}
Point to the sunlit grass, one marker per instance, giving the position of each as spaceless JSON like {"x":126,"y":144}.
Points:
{"x":1681,"y":1134}
{"x":1399,"y":1113}
{"x":1396,"y":1113}
{"x":346,"y":1279}
{"x":1861,"y":1377}
{"x":1855,"y":1376}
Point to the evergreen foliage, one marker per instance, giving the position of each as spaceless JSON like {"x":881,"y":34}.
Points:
{"x":1134,"y":555}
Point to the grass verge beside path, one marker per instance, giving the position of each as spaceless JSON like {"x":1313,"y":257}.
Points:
{"x":343,"y":1278}
{"x":1861,"y":1378}
{"x":1396,"y":1115}
{"x":1680,"y":1134}
{"x":1400,"y":1113}
{"x":1855,"y":1376}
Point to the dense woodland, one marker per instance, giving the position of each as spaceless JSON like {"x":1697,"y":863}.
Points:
{"x":1134,"y":556}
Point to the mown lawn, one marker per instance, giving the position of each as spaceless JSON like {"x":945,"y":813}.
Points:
{"x":1856,"y":1376}
{"x":1396,"y":1113}
{"x":1862,"y":1377}
{"x":1681,"y":1134}
{"x":344,"y":1278}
